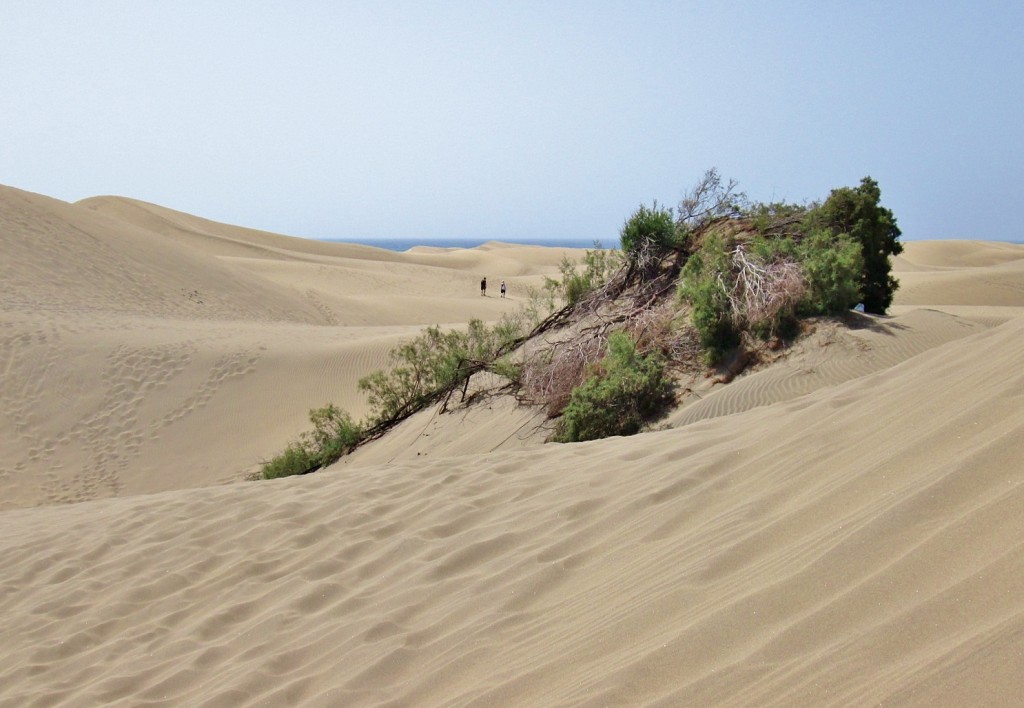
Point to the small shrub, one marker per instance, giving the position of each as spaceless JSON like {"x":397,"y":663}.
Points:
{"x":832,"y":265}
{"x":509,"y":329}
{"x":623,"y":391}
{"x":648,"y":233}
{"x":573,"y":286}
{"x":540,"y":302}
{"x":435,"y":362}
{"x":705,"y":283}
{"x":297,"y":458}
{"x":334,"y":434}
{"x":598,"y":267}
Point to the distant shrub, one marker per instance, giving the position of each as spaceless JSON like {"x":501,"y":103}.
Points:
{"x":334,"y":433}
{"x":623,"y":391}
{"x":540,"y":302}
{"x":598,"y":267}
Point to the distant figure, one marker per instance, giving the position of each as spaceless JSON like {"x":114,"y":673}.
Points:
{"x":503,"y":288}
{"x":483,"y":286}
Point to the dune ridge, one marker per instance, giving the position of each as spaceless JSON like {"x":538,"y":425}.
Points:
{"x":843,"y":527}
{"x":144,"y":349}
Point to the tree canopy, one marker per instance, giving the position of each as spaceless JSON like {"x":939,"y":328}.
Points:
{"x":856,"y":211}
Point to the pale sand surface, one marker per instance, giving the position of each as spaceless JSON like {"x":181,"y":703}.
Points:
{"x":842,"y":527}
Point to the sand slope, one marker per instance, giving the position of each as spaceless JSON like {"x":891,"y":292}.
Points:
{"x":843,"y":529}
{"x":839,"y":548}
{"x":143,"y":349}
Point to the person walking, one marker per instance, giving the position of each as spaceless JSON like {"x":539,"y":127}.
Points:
{"x":503,"y":288}
{"x":483,"y":286}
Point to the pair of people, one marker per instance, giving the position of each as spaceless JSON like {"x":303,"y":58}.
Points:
{"x":483,"y":287}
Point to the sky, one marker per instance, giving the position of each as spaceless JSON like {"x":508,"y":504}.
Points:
{"x":514,"y":120}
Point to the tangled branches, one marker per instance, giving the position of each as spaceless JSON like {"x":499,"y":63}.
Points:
{"x":549,"y":377}
{"x":762,"y":294}
{"x":708,"y":201}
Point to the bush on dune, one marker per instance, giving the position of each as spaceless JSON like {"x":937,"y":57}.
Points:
{"x":619,"y":395}
{"x":778,"y":262}
{"x":423,"y":371}
{"x":741,"y":272}
{"x":334,"y":434}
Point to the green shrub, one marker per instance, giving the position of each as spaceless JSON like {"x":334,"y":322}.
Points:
{"x":857,"y":212}
{"x":540,"y":302}
{"x":833,"y":266}
{"x":431,"y":364}
{"x":776,"y":218}
{"x":509,"y":329}
{"x":424,"y":369}
{"x":334,"y":434}
{"x":573,"y":286}
{"x":623,"y":391}
{"x":704,"y":284}
{"x":650,"y":231}
{"x":598,"y":267}
{"x":297,"y":458}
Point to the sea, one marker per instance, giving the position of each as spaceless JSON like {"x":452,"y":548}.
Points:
{"x":404,"y":244}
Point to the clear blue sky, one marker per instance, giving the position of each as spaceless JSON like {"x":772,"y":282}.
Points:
{"x":510,"y":120}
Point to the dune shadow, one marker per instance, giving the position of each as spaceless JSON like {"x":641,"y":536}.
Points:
{"x":883,"y":324}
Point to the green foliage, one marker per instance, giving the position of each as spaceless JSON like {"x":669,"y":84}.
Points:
{"x":704,"y":284}
{"x":650,"y":230}
{"x":761,"y":286}
{"x":508,"y":330}
{"x":623,"y":391}
{"x":573,"y":285}
{"x":833,"y":266}
{"x":776,"y":218}
{"x":505,"y":367}
{"x":432,"y":364}
{"x":334,"y":434}
{"x":601,"y":264}
{"x":857,"y":212}
{"x":598,"y":267}
{"x":425,"y":368}
{"x":540,"y":302}
{"x":297,"y":458}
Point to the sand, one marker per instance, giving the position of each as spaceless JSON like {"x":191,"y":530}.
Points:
{"x":843,"y":527}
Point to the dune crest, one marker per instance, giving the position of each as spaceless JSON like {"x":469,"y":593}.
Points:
{"x":145,"y":349}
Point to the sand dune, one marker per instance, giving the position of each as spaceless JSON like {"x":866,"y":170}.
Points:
{"x":144,"y":349}
{"x":843,"y":527}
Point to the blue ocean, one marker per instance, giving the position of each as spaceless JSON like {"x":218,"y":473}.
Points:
{"x":404,"y":244}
